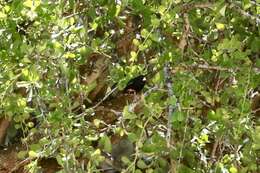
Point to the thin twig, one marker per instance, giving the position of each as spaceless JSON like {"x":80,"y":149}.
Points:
{"x":105,"y":97}
{"x":98,"y":104}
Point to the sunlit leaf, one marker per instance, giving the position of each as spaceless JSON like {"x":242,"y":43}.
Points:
{"x":32,"y":154}
{"x":2,"y":15}
{"x":33,"y":4}
{"x":222,"y":11}
{"x":220,"y":26}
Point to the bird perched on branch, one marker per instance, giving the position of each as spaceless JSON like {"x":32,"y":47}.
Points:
{"x":136,"y":84}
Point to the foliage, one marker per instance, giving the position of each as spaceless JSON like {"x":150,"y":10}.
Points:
{"x":213,"y":52}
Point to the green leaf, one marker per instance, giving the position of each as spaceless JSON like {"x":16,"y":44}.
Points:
{"x":35,"y":147}
{"x":21,"y":154}
{"x":222,"y":11}
{"x":127,"y":114}
{"x":138,"y":171}
{"x":136,"y":42}
{"x":33,"y":4}
{"x":33,"y":154}
{"x":230,"y":45}
{"x":125,"y":160}
{"x":138,"y":5}
{"x":2,"y":15}
{"x":97,"y":122}
{"x":246,"y":4}
{"x":69,"y":55}
{"x":155,"y":37}
{"x":94,"y":25}
{"x":84,"y":51}
{"x":105,"y":143}
{"x":161,"y":9}
{"x":178,"y":116}
{"x":220,"y":26}
{"x":133,"y":57}
{"x":21,"y":102}
{"x":212,"y":115}
{"x":233,"y":169}
{"x":118,"y":8}
{"x":57,"y":46}
{"x":155,"y":21}
{"x":172,"y":100}
{"x":255,"y":45}
{"x":133,"y":137}
{"x":141,"y":164}
{"x":144,"y":33}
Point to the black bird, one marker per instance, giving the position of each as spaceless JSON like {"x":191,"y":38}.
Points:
{"x":136,"y":84}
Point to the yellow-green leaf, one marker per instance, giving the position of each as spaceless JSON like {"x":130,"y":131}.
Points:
{"x":2,"y":15}
{"x":32,"y":154}
{"x":141,"y":164}
{"x":69,"y":55}
{"x":155,"y":22}
{"x":94,"y":25}
{"x":223,"y":10}
{"x":220,"y":26}
{"x":97,"y":122}
{"x":21,"y":102}
{"x":133,"y":56}
{"x":233,"y":169}
{"x":136,"y":42}
{"x":118,"y":8}
{"x":21,"y":154}
{"x":33,"y":4}
{"x":144,"y":33}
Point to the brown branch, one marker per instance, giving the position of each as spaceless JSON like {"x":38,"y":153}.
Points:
{"x":21,"y":164}
{"x":4,"y":125}
{"x":213,"y":153}
{"x":190,"y":6}
{"x":186,"y":29}
{"x":256,"y":110}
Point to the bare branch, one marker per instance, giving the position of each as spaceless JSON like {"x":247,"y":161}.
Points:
{"x":21,"y":164}
{"x":170,"y":107}
{"x":202,"y":67}
{"x":190,"y":6}
{"x":186,"y":29}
